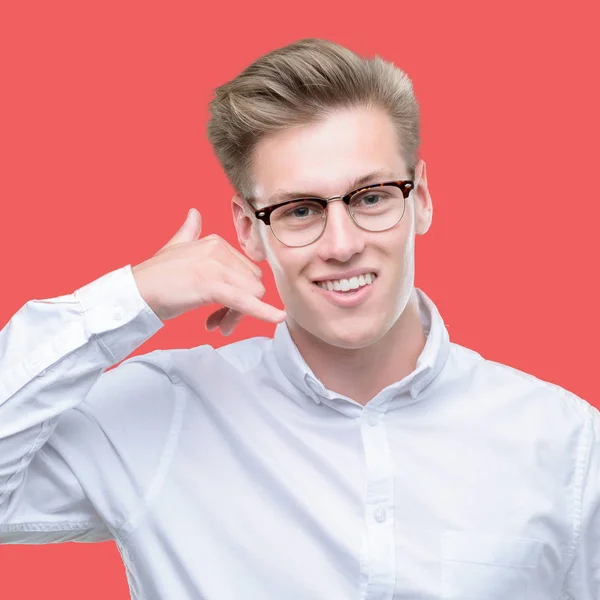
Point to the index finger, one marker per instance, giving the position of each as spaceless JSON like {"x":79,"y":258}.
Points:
{"x":243,"y":302}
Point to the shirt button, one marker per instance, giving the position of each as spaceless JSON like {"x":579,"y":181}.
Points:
{"x":380,"y":515}
{"x":118,"y":313}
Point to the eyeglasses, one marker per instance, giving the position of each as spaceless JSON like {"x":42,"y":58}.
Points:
{"x":302,"y":221}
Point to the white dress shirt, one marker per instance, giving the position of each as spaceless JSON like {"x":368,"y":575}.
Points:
{"x":234,"y":473}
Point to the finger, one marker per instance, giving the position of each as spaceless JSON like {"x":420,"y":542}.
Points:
{"x":230,"y":321}
{"x":214,"y":319}
{"x":238,"y":276}
{"x":189,"y":231}
{"x":228,"y":318}
{"x":244,"y":302}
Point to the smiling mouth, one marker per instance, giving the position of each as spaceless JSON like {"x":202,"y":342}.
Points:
{"x":348,"y":286}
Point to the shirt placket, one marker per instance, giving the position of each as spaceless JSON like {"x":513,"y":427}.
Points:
{"x":379,"y":556}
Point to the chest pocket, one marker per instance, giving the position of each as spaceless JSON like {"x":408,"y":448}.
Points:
{"x":488,"y":567}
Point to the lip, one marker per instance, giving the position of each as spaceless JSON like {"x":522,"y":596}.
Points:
{"x":346,"y":274}
{"x":347,"y":301}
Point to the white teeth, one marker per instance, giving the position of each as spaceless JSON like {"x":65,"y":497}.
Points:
{"x":343,"y":285}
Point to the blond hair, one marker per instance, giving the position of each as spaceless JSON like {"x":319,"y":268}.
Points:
{"x":300,"y":84}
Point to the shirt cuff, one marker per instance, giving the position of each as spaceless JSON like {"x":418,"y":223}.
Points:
{"x":116,"y":314}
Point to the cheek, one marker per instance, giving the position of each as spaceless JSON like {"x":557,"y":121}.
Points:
{"x":286,"y":264}
{"x":272,"y":256}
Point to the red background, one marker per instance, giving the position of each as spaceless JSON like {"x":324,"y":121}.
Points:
{"x":103,"y":150}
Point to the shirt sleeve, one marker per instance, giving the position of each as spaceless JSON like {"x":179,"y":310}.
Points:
{"x":583,"y":579}
{"x":53,"y":394}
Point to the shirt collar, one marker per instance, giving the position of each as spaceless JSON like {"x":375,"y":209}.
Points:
{"x":429,"y":364}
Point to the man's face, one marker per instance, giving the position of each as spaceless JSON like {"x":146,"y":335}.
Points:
{"x":325,"y":159}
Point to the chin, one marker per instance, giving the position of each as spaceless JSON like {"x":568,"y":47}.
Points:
{"x":352,"y":337}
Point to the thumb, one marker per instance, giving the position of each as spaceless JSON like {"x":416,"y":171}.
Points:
{"x":189,"y":231}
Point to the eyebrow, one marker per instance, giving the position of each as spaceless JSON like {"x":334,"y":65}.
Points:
{"x":373,"y":177}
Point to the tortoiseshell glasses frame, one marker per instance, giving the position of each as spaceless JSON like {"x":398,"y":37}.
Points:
{"x":264,"y":214}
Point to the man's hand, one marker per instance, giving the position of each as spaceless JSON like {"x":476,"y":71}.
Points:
{"x":189,"y":272}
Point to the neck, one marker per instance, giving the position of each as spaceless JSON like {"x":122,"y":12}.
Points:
{"x":362,"y":373}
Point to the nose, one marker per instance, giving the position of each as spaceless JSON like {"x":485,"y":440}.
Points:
{"x":341,"y":239}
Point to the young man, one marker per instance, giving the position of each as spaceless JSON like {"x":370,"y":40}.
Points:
{"x":357,"y":454}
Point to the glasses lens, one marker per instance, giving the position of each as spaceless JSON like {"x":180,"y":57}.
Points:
{"x":298,"y":223}
{"x":378,"y":209}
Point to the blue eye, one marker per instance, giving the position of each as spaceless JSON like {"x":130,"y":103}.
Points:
{"x":370,"y":197}
{"x":297,"y":212}
{"x":300,"y":211}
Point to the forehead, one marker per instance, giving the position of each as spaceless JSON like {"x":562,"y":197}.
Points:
{"x":322,"y":158}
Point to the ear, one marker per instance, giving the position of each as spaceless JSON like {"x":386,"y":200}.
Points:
{"x":422,"y":198}
{"x":246,"y":226}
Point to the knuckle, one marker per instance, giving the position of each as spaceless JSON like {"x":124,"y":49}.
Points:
{"x":213,"y":240}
